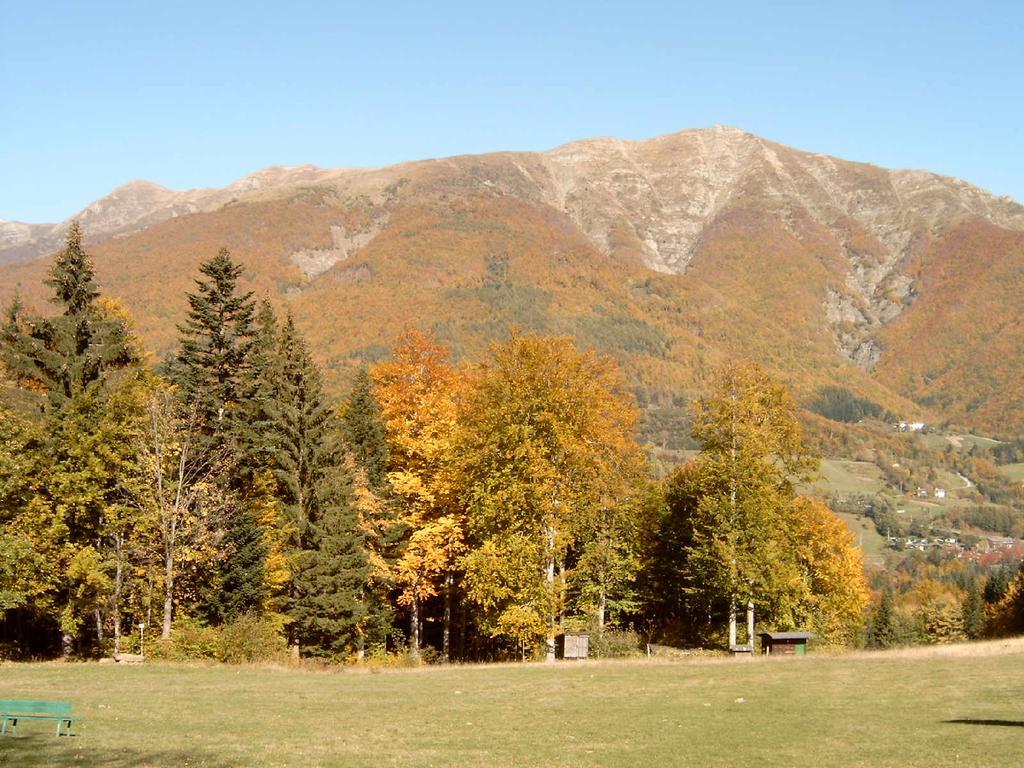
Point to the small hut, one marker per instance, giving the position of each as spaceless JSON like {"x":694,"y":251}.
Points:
{"x":574,"y":645}
{"x":785,"y":643}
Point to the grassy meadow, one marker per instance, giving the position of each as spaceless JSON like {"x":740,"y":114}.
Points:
{"x":1014,"y":472}
{"x":936,"y":707}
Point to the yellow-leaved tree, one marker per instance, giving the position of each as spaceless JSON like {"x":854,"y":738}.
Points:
{"x":742,"y":534}
{"x":417,"y":390}
{"x":547,"y":464}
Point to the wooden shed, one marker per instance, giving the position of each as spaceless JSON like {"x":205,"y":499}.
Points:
{"x":574,"y":645}
{"x":785,"y":643}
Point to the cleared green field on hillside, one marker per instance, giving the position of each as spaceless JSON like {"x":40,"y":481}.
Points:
{"x":866,"y":536}
{"x":844,"y":477}
{"x":1012,"y":471}
{"x":962,"y":442}
{"x":894,"y":709}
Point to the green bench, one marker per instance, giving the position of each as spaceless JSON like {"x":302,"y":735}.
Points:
{"x":12,"y":711}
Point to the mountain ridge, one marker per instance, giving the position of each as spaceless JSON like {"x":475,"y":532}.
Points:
{"x":674,"y":253}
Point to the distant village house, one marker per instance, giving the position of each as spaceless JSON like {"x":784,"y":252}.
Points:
{"x":910,"y":426}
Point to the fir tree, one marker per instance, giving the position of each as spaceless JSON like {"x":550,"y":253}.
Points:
{"x":242,"y":584}
{"x":213,"y":374}
{"x":215,"y":344}
{"x":974,"y":612}
{"x":288,"y":429}
{"x":65,"y":354}
{"x":300,"y":421}
{"x":364,"y":431}
{"x":327,"y":602}
{"x":365,"y":438}
{"x":884,"y":631}
{"x":72,"y":276}
{"x":257,"y":427}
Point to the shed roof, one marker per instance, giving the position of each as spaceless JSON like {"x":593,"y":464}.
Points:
{"x":789,"y":635}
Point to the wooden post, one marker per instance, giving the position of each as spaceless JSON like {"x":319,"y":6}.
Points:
{"x":748,"y":645}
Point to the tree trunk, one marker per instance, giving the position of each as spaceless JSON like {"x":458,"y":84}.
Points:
{"x":750,"y":625}
{"x":601,"y":604}
{"x":732,"y":623}
{"x":98,"y":616}
{"x":65,"y":644}
{"x":446,"y":644}
{"x":461,"y":650}
{"x":118,"y":578}
{"x":414,"y":628}
{"x":549,"y":572}
{"x":168,"y":595}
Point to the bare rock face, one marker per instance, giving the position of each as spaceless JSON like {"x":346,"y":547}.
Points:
{"x":315,"y":261}
{"x":668,"y":190}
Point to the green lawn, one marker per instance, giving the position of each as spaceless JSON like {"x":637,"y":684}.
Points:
{"x":869,"y":710}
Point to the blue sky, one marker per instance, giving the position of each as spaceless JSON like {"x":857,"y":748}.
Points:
{"x":191,"y":94}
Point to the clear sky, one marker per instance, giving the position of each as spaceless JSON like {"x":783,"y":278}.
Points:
{"x":192,"y":94}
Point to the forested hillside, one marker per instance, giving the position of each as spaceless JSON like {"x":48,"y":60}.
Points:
{"x":673,"y":255}
{"x":470,"y":506}
{"x":472,"y":510}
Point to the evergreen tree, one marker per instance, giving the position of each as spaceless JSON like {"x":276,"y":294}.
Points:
{"x":301,"y":423}
{"x":257,"y":427}
{"x":73,"y":515}
{"x":364,"y":431}
{"x":213,"y":371}
{"x":242,"y":586}
{"x":65,"y":354}
{"x":365,"y":439}
{"x":288,"y":429}
{"x":974,"y":612}
{"x":884,"y":631}
{"x":215,"y":345}
{"x":72,"y":276}
{"x":328,"y":604}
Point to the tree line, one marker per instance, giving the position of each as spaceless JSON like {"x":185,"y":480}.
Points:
{"x":463,"y":511}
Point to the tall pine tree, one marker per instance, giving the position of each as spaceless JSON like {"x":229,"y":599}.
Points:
{"x":364,"y":431}
{"x":328,"y":605}
{"x":65,"y":354}
{"x":289,"y":430}
{"x":215,"y":343}
{"x":213,"y":371}
{"x":383,"y":532}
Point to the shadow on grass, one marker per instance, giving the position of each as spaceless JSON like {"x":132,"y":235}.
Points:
{"x":45,"y":751}
{"x":973,"y":721}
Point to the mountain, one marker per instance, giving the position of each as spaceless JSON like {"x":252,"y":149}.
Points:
{"x":673,"y":254}
{"x":133,"y":207}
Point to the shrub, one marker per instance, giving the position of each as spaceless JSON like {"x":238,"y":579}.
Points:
{"x":251,"y":638}
{"x":614,"y":644}
{"x":247,"y":639}
{"x":191,"y":640}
